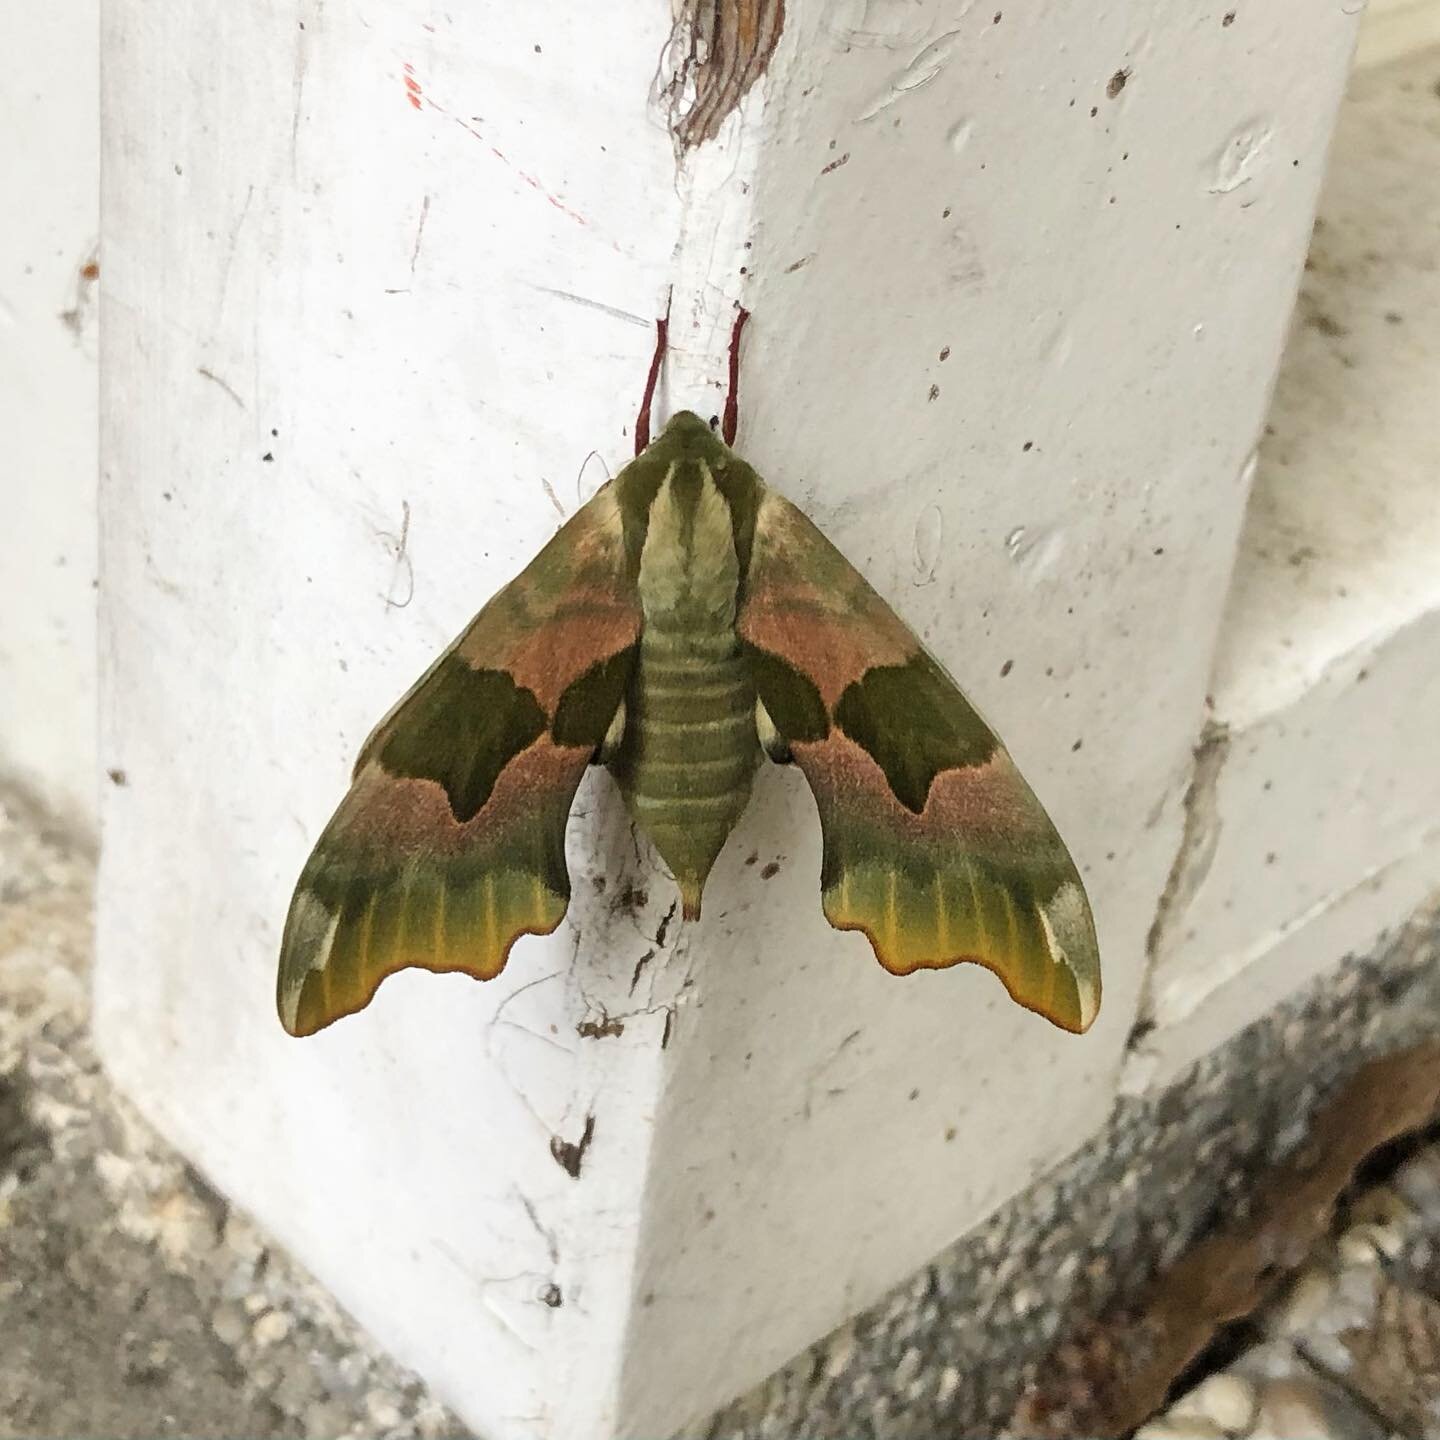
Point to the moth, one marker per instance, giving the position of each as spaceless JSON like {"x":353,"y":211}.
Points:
{"x":687,"y":622}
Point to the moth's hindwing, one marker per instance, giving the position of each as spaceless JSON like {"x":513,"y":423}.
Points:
{"x":450,"y":844}
{"x":934,"y":845}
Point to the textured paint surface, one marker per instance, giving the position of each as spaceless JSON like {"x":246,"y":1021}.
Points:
{"x":49,"y":313}
{"x":329,"y":310}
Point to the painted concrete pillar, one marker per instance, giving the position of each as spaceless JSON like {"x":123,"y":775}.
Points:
{"x":380,"y":288}
{"x":49,"y":307}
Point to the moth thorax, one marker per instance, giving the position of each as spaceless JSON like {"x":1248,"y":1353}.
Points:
{"x":689,"y":572}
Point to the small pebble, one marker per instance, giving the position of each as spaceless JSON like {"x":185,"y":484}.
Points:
{"x":228,"y":1323}
{"x":183,"y":1227}
{"x":908,"y":1368}
{"x":1305,"y":1301}
{"x":1355,"y":1248}
{"x":242,"y":1238}
{"x":382,"y":1410}
{"x":433,"y":1421}
{"x":1385,"y":1207}
{"x":115,"y":1171}
{"x":1367,"y":1244}
{"x":271,"y":1328}
{"x":842,"y":1351}
{"x":1417,"y":1182}
{"x":327,"y":1419}
{"x":949,"y":1384}
{"x":1226,"y":1400}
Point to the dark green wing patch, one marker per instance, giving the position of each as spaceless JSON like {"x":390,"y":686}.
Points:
{"x":588,"y":706}
{"x":915,"y":723}
{"x":466,"y":725}
{"x":789,"y":696}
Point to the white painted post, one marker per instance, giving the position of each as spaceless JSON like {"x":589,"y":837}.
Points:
{"x":379,"y":287}
{"x":49,"y":173}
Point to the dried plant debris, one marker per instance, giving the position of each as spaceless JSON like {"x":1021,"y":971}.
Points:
{"x":1300,"y":1339}
{"x":718,"y":50}
{"x":133,"y":1300}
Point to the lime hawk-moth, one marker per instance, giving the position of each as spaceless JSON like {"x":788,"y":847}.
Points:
{"x":685,"y":622}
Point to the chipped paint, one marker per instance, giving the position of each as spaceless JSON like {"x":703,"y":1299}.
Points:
{"x":718,"y":49}
{"x":1240,"y":158}
{"x":923,"y":67}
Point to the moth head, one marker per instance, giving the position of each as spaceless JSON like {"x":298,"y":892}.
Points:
{"x":687,"y":437}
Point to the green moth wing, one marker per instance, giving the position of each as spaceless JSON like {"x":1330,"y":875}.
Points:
{"x":934,"y":846}
{"x":450,"y":843}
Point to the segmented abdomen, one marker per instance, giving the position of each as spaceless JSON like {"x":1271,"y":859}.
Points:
{"x":690,"y":748}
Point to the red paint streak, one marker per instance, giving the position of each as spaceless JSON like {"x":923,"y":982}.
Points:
{"x":515,"y":170}
{"x":419,"y":100}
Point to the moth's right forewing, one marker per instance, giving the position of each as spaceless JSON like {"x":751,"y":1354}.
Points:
{"x":934,"y":846}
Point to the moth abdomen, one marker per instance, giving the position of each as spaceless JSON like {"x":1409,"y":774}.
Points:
{"x":690,"y":749}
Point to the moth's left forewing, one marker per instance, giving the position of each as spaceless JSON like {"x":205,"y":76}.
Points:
{"x":934,"y":846}
{"x":450,"y":844}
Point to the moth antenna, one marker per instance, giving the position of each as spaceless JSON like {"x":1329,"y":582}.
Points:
{"x":662,"y":341}
{"x":732,"y":398}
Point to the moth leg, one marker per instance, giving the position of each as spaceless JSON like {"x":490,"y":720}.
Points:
{"x":610,"y":745}
{"x":772,"y":742}
{"x":662,"y":343}
{"x":732,"y":398}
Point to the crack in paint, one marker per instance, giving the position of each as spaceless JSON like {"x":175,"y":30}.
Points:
{"x":1199,"y":839}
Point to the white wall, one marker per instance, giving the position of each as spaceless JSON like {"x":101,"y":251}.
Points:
{"x":1312,"y":819}
{"x":400,"y":286}
{"x":49,"y":173}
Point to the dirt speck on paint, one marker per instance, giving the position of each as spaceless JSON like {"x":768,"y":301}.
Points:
{"x":569,"y":1155}
{"x":76,"y":316}
{"x":664,"y":927}
{"x":601,"y":1029}
{"x":718,"y":49}
{"x":630,"y":898}
{"x":640,"y":965}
